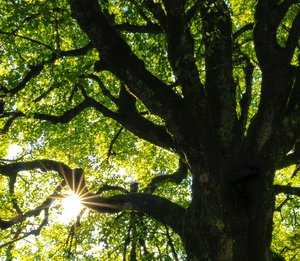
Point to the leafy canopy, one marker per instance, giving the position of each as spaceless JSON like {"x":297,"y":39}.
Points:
{"x":48,"y":68}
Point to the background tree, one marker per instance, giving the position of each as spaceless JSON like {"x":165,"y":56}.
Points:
{"x":105,"y":97}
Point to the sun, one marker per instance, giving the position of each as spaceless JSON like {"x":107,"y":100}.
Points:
{"x":72,"y":206}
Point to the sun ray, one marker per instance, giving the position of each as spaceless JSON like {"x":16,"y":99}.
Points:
{"x":90,"y":196}
{"x":81,"y":186}
{"x":73,"y":180}
{"x":64,"y":176}
{"x":85,"y":194}
{"x":98,"y":204}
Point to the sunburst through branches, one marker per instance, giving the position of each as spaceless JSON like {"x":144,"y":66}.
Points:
{"x":74,"y":200}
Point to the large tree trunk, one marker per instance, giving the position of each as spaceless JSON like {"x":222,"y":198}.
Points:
{"x":230,"y":220}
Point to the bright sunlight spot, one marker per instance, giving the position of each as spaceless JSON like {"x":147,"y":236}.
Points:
{"x":71,"y":207}
{"x":13,"y":151}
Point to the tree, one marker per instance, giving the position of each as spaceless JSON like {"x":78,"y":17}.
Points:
{"x":216,"y":83}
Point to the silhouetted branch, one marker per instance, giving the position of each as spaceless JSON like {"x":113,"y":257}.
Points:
{"x":68,"y":115}
{"x":243,"y":29}
{"x":114,"y":139}
{"x":282,"y":204}
{"x":10,"y":121}
{"x":131,"y":120}
{"x":27,"y":38}
{"x":154,"y":93}
{"x":290,"y":159}
{"x":4,"y":224}
{"x":106,"y":188}
{"x":176,"y":178}
{"x":171,"y":244}
{"x":246,"y":98}
{"x":34,"y":232}
{"x":157,"y":207}
{"x":288,"y":190}
{"x":149,"y":28}
{"x":36,"y":69}
{"x":104,"y":90}
{"x":12,"y":182}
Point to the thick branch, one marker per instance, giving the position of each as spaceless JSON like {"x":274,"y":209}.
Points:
{"x":131,"y":120}
{"x":268,"y":16}
{"x":217,"y":37}
{"x":277,"y":81}
{"x":159,"y":208}
{"x":105,"y":188}
{"x":113,"y":49}
{"x":156,"y":207}
{"x":147,"y":130}
{"x":75,"y":52}
{"x":149,"y":28}
{"x":174,"y":7}
{"x":12,"y":182}
{"x":291,"y":121}
{"x":288,"y":190}
{"x":181,"y":52}
{"x":66,"y":117}
{"x":42,"y":164}
{"x":10,"y":121}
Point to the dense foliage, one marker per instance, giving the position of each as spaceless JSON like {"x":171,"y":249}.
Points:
{"x":88,"y":88}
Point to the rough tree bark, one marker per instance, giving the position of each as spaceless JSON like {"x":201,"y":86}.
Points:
{"x":232,"y":161}
{"x":230,"y":216}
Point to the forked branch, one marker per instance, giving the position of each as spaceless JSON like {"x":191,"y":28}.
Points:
{"x":156,"y":207}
